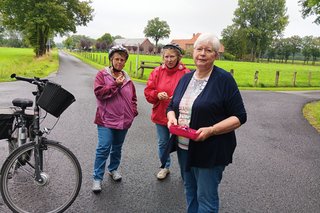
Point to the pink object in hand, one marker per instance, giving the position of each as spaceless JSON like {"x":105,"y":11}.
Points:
{"x":183,"y":131}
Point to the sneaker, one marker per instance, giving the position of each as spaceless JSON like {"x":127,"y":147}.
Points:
{"x":163,"y":173}
{"x":116,"y":176}
{"x":96,"y":187}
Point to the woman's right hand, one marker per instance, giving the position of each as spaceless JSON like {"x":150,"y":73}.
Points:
{"x":171,"y":119}
{"x":163,"y":96}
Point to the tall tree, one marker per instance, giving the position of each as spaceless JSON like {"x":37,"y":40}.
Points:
{"x":262,"y":20}
{"x":311,"y":7}
{"x":40,"y":20}
{"x":295,"y":43}
{"x":157,"y":29}
{"x":315,"y":49}
{"x":234,"y":41}
{"x":104,"y":41}
{"x":80,"y":42}
{"x":307,"y":48}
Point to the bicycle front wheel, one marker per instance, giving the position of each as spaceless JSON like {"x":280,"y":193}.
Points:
{"x":61,"y":173}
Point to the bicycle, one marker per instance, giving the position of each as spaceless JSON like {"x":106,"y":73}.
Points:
{"x":39,"y":175}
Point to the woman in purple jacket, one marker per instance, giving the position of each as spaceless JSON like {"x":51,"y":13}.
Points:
{"x":116,"y":109}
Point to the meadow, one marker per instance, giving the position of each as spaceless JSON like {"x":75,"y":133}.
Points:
{"x":307,"y":76}
{"x":22,"y":61}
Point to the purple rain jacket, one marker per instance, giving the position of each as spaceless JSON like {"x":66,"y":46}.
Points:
{"x":116,"y":105}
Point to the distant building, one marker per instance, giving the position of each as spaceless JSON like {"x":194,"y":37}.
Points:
{"x":132,"y":44}
{"x":187,"y":44}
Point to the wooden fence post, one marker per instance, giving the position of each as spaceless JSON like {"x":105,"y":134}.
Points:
{"x":294,"y":79}
{"x":142,"y":69}
{"x":105,"y":60}
{"x":232,"y":72}
{"x":309,"y":79}
{"x":130,"y":69}
{"x":256,"y":78}
{"x":277,"y":78}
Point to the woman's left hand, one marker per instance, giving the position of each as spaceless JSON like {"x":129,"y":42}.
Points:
{"x":204,"y":133}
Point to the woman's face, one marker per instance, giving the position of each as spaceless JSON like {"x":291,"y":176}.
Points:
{"x":204,"y":55}
{"x":170,"y":58}
{"x":118,"y":61}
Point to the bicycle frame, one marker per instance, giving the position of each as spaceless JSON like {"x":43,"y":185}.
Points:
{"x":36,"y":127}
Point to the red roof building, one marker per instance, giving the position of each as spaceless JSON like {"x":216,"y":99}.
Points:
{"x":187,"y":44}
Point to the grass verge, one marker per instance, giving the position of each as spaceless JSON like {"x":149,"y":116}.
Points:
{"x":23,"y":62}
{"x":311,"y":112}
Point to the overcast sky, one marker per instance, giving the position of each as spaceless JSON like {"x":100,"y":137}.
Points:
{"x":128,"y":18}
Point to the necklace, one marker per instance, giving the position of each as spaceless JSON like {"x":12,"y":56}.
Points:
{"x":203,"y":75}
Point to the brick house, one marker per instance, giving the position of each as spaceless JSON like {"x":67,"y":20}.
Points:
{"x":187,"y":44}
{"x":132,"y":44}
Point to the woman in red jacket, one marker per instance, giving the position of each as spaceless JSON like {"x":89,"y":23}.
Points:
{"x":159,"y":90}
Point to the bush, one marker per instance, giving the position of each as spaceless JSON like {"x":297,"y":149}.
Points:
{"x":229,"y":56}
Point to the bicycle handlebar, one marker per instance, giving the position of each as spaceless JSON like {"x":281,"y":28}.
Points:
{"x":35,"y":80}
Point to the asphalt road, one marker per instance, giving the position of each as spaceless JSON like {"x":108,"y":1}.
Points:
{"x":276,"y":164}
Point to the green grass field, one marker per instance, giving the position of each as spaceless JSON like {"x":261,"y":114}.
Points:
{"x":307,"y":75}
{"x":22,"y":61}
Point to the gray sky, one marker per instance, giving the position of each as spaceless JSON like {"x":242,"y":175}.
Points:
{"x":128,"y":18}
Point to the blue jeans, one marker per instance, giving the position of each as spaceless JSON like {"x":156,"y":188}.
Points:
{"x":163,"y":138}
{"x":201,"y":186}
{"x":108,"y":139}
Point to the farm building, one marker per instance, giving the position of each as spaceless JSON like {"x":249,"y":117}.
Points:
{"x":187,"y":44}
{"x":132,"y":44}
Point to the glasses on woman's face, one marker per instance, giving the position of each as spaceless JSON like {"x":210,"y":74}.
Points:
{"x":204,"y":50}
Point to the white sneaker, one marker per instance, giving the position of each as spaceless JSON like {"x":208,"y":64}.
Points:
{"x":116,"y":176}
{"x":96,"y":187}
{"x":163,"y":173}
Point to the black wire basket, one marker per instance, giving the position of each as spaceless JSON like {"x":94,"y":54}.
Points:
{"x":54,"y":99}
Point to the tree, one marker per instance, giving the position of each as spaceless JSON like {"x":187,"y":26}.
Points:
{"x":307,"y":48}
{"x":104,"y":42}
{"x":272,"y":50}
{"x":116,"y":37}
{"x":157,"y":29}
{"x":39,"y":21}
{"x":78,"y":42}
{"x":106,"y":38}
{"x":261,"y":21}
{"x":311,"y":7}
{"x":234,"y":41}
{"x":295,"y":43}
{"x":315,"y":49}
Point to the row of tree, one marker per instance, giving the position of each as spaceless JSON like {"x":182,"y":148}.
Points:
{"x":257,"y":30}
{"x":283,"y":48}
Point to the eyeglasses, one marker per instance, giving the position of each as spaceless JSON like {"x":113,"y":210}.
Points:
{"x":206,"y":50}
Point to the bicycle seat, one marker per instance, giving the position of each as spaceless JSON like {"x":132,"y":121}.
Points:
{"x":22,"y":102}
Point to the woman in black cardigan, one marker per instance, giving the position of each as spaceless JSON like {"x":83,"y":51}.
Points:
{"x":208,"y":100}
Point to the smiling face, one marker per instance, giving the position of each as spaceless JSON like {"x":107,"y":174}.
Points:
{"x":204,"y":55}
{"x":170,"y":58}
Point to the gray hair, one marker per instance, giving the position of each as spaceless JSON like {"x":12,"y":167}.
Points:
{"x":210,"y":39}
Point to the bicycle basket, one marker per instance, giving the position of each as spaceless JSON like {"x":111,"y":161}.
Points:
{"x":54,"y":99}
